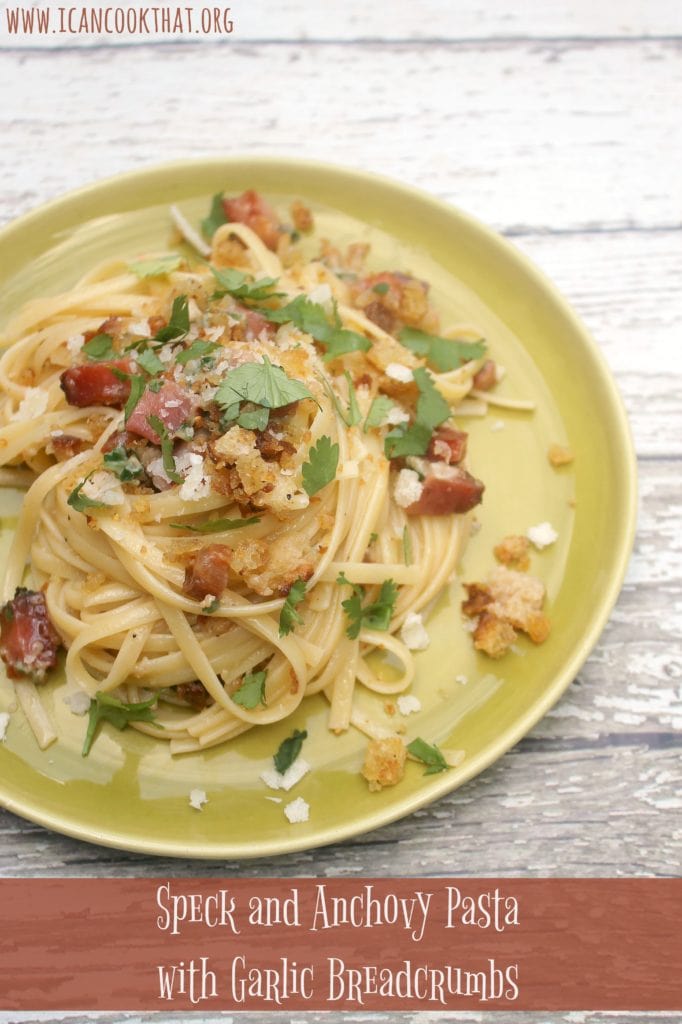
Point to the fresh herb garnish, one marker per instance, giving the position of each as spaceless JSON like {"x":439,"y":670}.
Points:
{"x":251,"y":692}
{"x":137,"y":385}
{"x":150,"y":362}
{"x":126,"y":467}
{"x":354,"y":414}
{"x":216,"y":525}
{"x":289,"y":617}
{"x":429,"y":754}
{"x":100,"y":347}
{"x":212,"y":607}
{"x":216,"y":217}
{"x":378,"y":411}
{"x":105,"y":708}
{"x":254,"y":419}
{"x":288,"y":750}
{"x":444,"y":353}
{"x":156,"y":267}
{"x":80,"y":501}
{"x":178,"y":325}
{"x":432,"y":410}
{"x":311,"y":318}
{"x":234,"y":282}
{"x":261,"y":383}
{"x":199,"y":349}
{"x":320,"y":469}
{"x":380,"y":288}
{"x":166,"y":449}
{"x":407,"y":546}
{"x":376,"y":615}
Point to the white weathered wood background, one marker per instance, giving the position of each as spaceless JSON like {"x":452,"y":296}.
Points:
{"x":559,"y":125}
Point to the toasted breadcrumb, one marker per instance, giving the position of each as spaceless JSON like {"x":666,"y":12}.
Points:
{"x":493,"y":636}
{"x":507,"y":602}
{"x":513,"y":552}
{"x":560,"y":455}
{"x":384,"y":762}
{"x":301,"y":216}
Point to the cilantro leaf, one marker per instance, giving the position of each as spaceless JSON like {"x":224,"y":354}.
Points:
{"x":404,"y":440}
{"x":288,"y":750}
{"x":376,"y":615}
{"x":215,"y":218}
{"x":236,"y":283}
{"x":381,"y":288}
{"x":254,"y":419}
{"x":166,"y":449}
{"x":178,"y":325}
{"x":311,"y":318}
{"x":432,"y":409}
{"x":251,"y":692}
{"x":126,"y":467}
{"x":217,"y":525}
{"x":212,"y":607}
{"x":320,"y":469}
{"x":378,"y":411}
{"x":260,"y":383}
{"x":288,"y":617}
{"x":80,"y":501}
{"x":150,"y":362}
{"x":156,"y":267}
{"x":137,"y":385}
{"x":105,"y":708}
{"x":99,"y":347}
{"x":197,"y":350}
{"x":429,"y":754}
{"x":444,"y":353}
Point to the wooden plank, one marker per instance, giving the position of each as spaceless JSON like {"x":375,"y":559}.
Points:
{"x":307,"y":21}
{"x":467,"y":123}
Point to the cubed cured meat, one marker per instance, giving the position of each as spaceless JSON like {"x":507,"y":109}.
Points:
{"x":442,"y":495}
{"x":97,"y":384}
{"x":208,"y":573}
{"x":171,"y":404}
{"x":251,"y":209}
{"x":28,"y":640}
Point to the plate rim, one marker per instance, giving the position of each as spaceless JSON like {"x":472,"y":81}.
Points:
{"x":438,"y":786}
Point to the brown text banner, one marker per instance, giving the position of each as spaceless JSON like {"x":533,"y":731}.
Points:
{"x":340,"y":944}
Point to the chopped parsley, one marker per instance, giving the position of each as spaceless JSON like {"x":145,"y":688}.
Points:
{"x":156,"y":267}
{"x":81,"y":502}
{"x":380,"y":288}
{"x":261,"y":383}
{"x":166,"y":449}
{"x":429,"y":754}
{"x":150,"y":362}
{"x":378,"y":411}
{"x":432,"y":410}
{"x":199,"y":349}
{"x":376,"y":615}
{"x":216,"y":217}
{"x":288,"y":750}
{"x":217,"y":525}
{"x":234,"y":282}
{"x":126,"y":467}
{"x":105,"y":708}
{"x":320,"y":469}
{"x":444,"y":354}
{"x":100,"y":347}
{"x":178,"y":325}
{"x":311,"y":318}
{"x":251,"y":692}
{"x":289,"y":617}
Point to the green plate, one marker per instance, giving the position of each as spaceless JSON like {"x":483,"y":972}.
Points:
{"x":130,"y":793}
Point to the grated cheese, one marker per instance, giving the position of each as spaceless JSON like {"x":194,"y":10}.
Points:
{"x":197,"y":798}
{"x":541,"y":535}
{"x":103,"y":486}
{"x":399,"y":372}
{"x":407,"y":704}
{"x":32,"y":405}
{"x":294,"y":773}
{"x":413,"y":634}
{"x":197,"y":484}
{"x":78,"y":701}
{"x":297,"y":811}
{"x":408,"y":488}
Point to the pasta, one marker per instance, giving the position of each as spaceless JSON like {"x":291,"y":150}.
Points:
{"x":244,"y":480}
